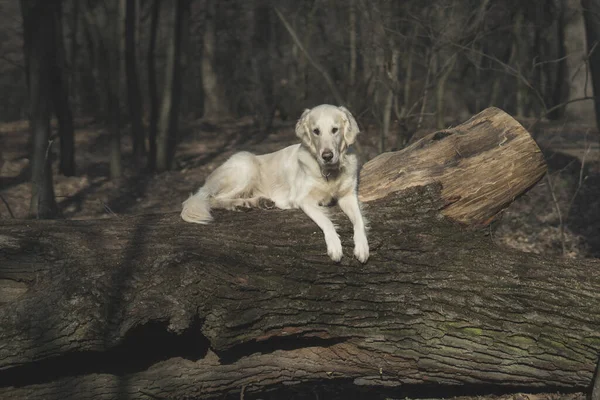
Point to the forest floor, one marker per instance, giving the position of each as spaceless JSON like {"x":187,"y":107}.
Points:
{"x":559,"y":216}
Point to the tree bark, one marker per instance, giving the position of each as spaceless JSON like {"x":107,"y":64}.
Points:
{"x":469,"y":160}
{"x":215,"y":102}
{"x":392,"y":75}
{"x":74,"y":51}
{"x":352,"y":31}
{"x":61,"y":101}
{"x":261,"y":46}
{"x":40,"y":48}
{"x":169,"y":113}
{"x":440,"y":89}
{"x":105,"y":38}
{"x":152,"y":87}
{"x":134,"y":98}
{"x":149,"y":306}
{"x":591,"y":16}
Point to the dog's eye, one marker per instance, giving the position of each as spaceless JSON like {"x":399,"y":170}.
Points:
{"x":334,"y":130}
{"x":316,"y":131}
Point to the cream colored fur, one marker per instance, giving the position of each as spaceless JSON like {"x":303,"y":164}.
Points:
{"x":306,"y":176}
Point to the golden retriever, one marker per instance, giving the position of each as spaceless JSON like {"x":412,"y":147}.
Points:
{"x":309,"y":176}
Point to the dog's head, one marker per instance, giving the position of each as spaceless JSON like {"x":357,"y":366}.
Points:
{"x":327,"y":131}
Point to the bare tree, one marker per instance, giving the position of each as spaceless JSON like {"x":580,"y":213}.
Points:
{"x":40,"y":48}
{"x":133,"y":87}
{"x":74,"y":47}
{"x":60,"y":99}
{"x":261,"y":46}
{"x":152,"y":89}
{"x":215,"y":103}
{"x":591,"y":15}
{"x":169,"y":113}
{"x":555,"y":61}
{"x":105,"y":41}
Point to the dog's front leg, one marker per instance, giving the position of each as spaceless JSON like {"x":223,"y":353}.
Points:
{"x":350,"y":207}
{"x":334,"y":245}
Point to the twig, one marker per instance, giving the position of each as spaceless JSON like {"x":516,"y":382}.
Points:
{"x":108,"y":209}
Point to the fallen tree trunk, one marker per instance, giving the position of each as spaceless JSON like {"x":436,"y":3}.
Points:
{"x":150,"y":307}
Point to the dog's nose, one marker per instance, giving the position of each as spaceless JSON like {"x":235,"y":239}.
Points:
{"x":327,"y":155}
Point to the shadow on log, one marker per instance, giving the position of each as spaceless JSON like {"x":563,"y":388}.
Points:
{"x":150,"y":307}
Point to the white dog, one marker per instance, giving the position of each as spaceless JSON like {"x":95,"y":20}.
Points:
{"x":308,"y":176}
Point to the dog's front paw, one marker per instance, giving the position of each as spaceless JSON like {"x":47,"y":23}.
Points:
{"x":361,"y":249}
{"x":334,"y":248}
{"x":266,"y":204}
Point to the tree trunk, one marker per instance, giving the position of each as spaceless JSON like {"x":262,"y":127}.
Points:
{"x":516,"y":58}
{"x":352,"y":31}
{"x":152,"y":89}
{"x":90,"y":92}
{"x":105,"y":38}
{"x":388,"y":106}
{"x":149,"y":306}
{"x":264,"y":101}
{"x":169,"y":113}
{"x":469,"y":161}
{"x":133,"y":87}
{"x":74,"y":51}
{"x":557,"y":81}
{"x":591,"y":16}
{"x":440,"y":91}
{"x":61,"y":100}
{"x":40,"y":33}
{"x":112,"y":87}
{"x":215,"y":103}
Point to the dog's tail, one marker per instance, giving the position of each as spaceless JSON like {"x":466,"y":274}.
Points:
{"x":197,"y":208}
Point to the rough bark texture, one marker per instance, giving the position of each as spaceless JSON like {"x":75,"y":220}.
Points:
{"x":149,"y":306}
{"x":60,"y":98}
{"x":482,"y":164}
{"x":40,"y":48}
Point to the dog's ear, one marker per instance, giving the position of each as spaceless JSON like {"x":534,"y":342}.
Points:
{"x":350,"y":126}
{"x":302,"y":128}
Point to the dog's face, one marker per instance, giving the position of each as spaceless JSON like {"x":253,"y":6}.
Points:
{"x":327,"y":131}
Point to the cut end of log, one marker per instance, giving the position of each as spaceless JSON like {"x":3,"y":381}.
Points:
{"x":482,"y":164}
